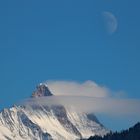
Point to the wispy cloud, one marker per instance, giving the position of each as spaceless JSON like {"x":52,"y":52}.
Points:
{"x":109,"y":106}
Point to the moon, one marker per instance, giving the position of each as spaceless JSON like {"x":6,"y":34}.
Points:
{"x":110,"y":22}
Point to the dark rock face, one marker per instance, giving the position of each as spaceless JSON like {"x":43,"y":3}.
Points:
{"x":60,"y":113}
{"x":41,"y":91}
{"x":92,"y":117}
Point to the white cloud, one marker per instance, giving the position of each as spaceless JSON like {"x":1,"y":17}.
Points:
{"x":71,"y":88}
{"x":88,"y":97}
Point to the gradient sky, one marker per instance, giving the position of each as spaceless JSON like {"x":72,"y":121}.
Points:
{"x":66,"y":40}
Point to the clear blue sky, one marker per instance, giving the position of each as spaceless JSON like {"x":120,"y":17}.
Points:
{"x":65,"y":40}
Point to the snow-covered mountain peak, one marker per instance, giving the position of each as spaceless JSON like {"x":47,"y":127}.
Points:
{"x":41,"y":90}
{"x":36,"y":120}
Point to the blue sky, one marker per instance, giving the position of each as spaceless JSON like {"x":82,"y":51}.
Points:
{"x":66,"y":40}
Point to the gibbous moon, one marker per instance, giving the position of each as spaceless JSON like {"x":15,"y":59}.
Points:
{"x":110,"y":22}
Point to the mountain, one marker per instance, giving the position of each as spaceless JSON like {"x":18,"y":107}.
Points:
{"x":42,"y":122}
{"x":132,"y":133}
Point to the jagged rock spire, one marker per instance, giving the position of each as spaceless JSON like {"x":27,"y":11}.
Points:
{"x":41,"y":90}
